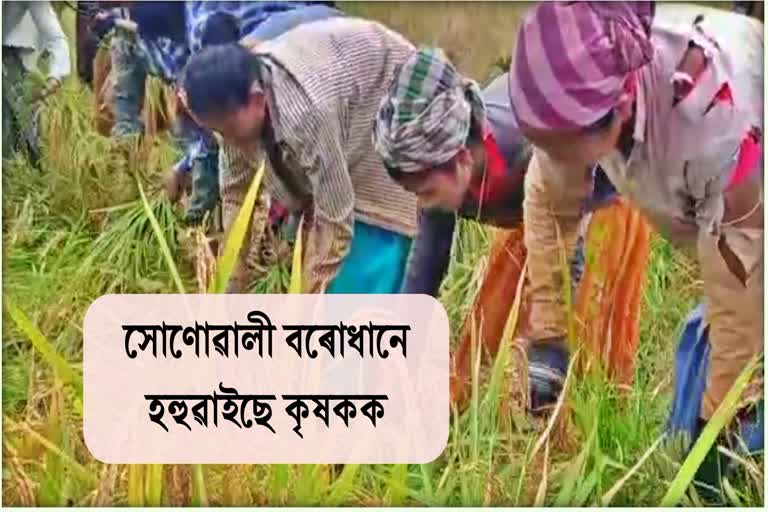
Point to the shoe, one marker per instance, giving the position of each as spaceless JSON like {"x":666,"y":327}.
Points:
{"x":547,"y":368}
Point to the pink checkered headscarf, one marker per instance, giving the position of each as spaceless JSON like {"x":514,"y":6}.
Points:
{"x":572,"y":60}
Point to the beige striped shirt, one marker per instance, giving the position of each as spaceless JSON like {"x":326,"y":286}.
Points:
{"x":323,"y":82}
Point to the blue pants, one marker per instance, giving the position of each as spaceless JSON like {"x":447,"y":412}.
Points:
{"x":691,"y":363}
{"x":375,"y":263}
{"x":130,"y":70}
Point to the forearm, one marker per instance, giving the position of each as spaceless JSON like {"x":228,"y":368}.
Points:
{"x":327,"y":245}
{"x":553,"y":206}
{"x":430,"y":255}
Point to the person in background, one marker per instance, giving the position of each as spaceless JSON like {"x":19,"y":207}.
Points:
{"x":460,"y":151}
{"x":245,"y":17}
{"x":87,"y":43}
{"x":149,"y":38}
{"x":29,"y":29}
{"x":307,"y":99}
{"x":158,"y":47}
{"x":669,"y":103}
{"x":745,"y":8}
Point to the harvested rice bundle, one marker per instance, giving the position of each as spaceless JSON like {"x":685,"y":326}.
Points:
{"x":607,"y":307}
{"x":491,"y":308}
{"x":608,"y":297}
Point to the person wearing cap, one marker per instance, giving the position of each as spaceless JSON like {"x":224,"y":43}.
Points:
{"x":28,"y":29}
{"x":669,"y":103}
{"x":459,"y":149}
{"x":307,"y":100}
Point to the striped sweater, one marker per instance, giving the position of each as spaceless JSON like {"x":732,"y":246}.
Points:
{"x":323,"y":82}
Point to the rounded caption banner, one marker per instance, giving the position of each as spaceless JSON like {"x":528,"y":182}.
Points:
{"x":265,"y":379}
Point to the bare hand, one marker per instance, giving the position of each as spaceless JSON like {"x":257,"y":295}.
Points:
{"x":176,"y":184}
{"x":51,"y":86}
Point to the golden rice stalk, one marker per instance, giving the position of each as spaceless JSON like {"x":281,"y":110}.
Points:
{"x":608,"y":300}
{"x":103,"y":83}
{"x":204,"y":258}
{"x":159,"y":107}
{"x":296,"y":266}
{"x":492,"y":306}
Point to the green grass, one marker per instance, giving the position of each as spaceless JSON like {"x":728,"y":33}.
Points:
{"x":79,"y":229}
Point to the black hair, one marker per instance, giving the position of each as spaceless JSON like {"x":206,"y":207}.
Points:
{"x":220,"y":28}
{"x":601,"y":124}
{"x":219,"y":79}
{"x":160,"y":19}
{"x":448,"y":167}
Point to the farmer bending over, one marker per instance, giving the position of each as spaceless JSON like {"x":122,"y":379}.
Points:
{"x":158,"y":47}
{"x":28,"y":28}
{"x":212,"y":23}
{"x":672,"y":110}
{"x":200,"y":165}
{"x":308,"y":99}
{"x":460,"y":151}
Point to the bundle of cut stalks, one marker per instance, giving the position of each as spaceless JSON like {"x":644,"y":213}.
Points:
{"x":608,"y":300}
{"x":607,"y":303}
{"x":491,"y":308}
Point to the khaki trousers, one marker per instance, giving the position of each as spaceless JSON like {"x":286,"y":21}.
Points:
{"x":734,"y":302}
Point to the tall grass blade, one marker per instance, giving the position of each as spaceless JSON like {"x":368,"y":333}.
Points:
{"x":161,"y":240}
{"x":236,"y":237}
{"x":397,"y":484}
{"x":154,"y":485}
{"x":296,"y":270}
{"x":608,"y":496}
{"x":573,"y":473}
{"x":63,"y":369}
{"x":344,"y":486}
{"x":541,"y":493}
{"x":425,"y":470}
{"x":707,"y":438}
{"x":199,"y":490}
{"x":136,"y":485}
{"x":278,"y":483}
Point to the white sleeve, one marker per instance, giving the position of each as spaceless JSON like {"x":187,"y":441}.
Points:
{"x":52,"y":38}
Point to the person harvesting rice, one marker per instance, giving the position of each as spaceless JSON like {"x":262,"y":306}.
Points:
{"x":29,"y":28}
{"x":165,"y":35}
{"x":672,"y":111}
{"x":460,"y":151}
{"x":213,"y":23}
{"x":157,"y":46}
{"x":308,"y":99}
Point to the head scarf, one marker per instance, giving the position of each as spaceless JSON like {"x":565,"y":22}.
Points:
{"x":427,"y":113}
{"x":572,"y":59}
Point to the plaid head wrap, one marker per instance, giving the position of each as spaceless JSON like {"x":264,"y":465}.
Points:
{"x":425,"y":118}
{"x":572,"y":59}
